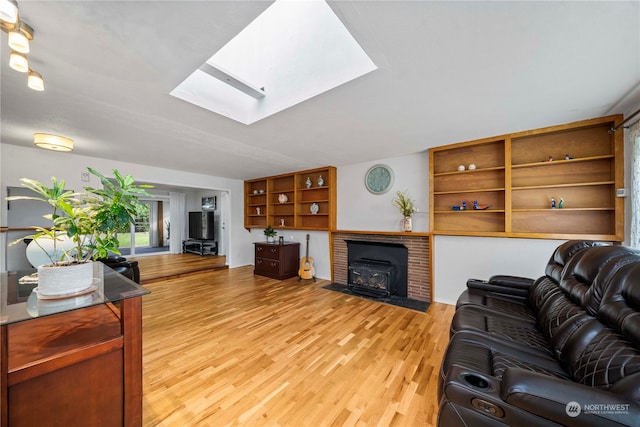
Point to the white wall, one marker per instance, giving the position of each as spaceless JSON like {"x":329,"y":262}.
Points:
{"x":458,"y":258}
{"x":21,"y":162}
{"x":358,"y":209}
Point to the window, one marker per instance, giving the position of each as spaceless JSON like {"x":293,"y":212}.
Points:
{"x":635,"y":186}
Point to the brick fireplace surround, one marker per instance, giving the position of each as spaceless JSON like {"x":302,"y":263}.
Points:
{"x":419,"y":278}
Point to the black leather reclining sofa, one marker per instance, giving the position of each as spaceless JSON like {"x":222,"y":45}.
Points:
{"x":562,"y":350}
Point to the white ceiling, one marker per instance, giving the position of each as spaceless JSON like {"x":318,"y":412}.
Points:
{"x":447,"y":72}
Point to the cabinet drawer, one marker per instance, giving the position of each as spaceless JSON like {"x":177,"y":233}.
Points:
{"x":268,"y":251}
{"x":268,"y":266}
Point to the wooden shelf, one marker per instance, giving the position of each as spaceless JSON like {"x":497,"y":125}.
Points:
{"x":512,"y":176}
{"x":497,"y":168}
{"x":562,"y":161}
{"x":483,"y":190}
{"x":579,"y":184}
{"x":295,"y":211}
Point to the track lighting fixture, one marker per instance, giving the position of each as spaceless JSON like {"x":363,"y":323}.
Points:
{"x":9,"y":11}
{"x":34,"y":81}
{"x":18,"y":61}
{"x":19,"y":34}
{"x":19,"y":37}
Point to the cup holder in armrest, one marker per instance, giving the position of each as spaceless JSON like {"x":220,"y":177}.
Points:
{"x":476,"y":381}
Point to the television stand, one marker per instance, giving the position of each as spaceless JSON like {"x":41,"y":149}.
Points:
{"x":200,"y":247}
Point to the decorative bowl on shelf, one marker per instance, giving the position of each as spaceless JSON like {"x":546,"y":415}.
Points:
{"x":481,"y":207}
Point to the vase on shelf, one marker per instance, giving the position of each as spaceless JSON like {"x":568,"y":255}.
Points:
{"x":407,"y":224}
{"x":320,"y":181}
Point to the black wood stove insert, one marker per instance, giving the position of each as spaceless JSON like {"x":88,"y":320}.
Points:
{"x":377,"y":269}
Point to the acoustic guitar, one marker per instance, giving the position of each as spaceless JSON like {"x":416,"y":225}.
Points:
{"x":306,"y":270}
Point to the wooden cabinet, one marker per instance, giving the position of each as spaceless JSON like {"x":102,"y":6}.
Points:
{"x":278,"y":261}
{"x":578,"y":165}
{"x":72,"y":361}
{"x":303,"y":200}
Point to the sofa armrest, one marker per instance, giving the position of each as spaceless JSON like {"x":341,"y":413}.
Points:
{"x":508,"y":285}
{"x":555,"y":399}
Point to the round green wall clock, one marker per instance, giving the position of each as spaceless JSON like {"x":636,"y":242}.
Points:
{"x":379,"y":179}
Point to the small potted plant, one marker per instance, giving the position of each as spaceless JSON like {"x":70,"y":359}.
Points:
{"x":406,"y":205}
{"x":89,"y":221}
{"x":270,"y":233}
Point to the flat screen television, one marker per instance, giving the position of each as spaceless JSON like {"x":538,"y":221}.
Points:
{"x":202,"y":225}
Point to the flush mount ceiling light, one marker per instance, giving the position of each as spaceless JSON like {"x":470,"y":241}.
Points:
{"x":19,"y":34}
{"x":9,"y":11}
{"x":53,"y":142}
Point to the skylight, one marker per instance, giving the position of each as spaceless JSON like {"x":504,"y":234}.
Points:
{"x":292,"y":52}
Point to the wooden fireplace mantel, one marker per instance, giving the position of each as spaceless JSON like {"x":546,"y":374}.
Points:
{"x":385,"y":233}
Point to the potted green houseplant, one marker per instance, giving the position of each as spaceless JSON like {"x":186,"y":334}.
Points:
{"x":270,"y":233}
{"x":88,"y":221}
{"x":406,"y":205}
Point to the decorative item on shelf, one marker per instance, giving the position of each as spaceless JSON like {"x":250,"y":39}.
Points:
{"x":270,"y":234}
{"x":308,"y":182}
{"x":90,"y":220}
{"x":407,"y":208}
{"x":281,"y":222}
{"x":550,"y":159}
{"x":282,"y":198}
{"x":567,"y":157}
{"x":553,"y":203}
{"x":320,"y":181}
{"x":461,"y":168}
{"x":472,"y":167}
{"x":255,"y":191}
{"x":314,"y":208}
{"x":479,"y":207}
{"x":561,"y":203}
{"x":464,"y":206}
{"x":258,"y":210}
{"x":261,"y":191}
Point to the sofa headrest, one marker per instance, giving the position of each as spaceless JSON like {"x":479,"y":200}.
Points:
{"x":607,"y":283}
{"x":620,"y":306}
{"x":582,"y":269}
{"x":563,"y":254}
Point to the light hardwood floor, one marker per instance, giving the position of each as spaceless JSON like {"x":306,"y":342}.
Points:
{"x":229,"y":348}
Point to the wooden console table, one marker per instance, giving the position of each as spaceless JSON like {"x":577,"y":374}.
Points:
{"x":72,"y":361}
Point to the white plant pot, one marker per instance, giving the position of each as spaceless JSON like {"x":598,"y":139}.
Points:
{"x":64,"y":279}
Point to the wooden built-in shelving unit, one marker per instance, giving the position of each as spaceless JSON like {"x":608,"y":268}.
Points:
{"x":296,"y":211}
{"x":515,"y":176}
